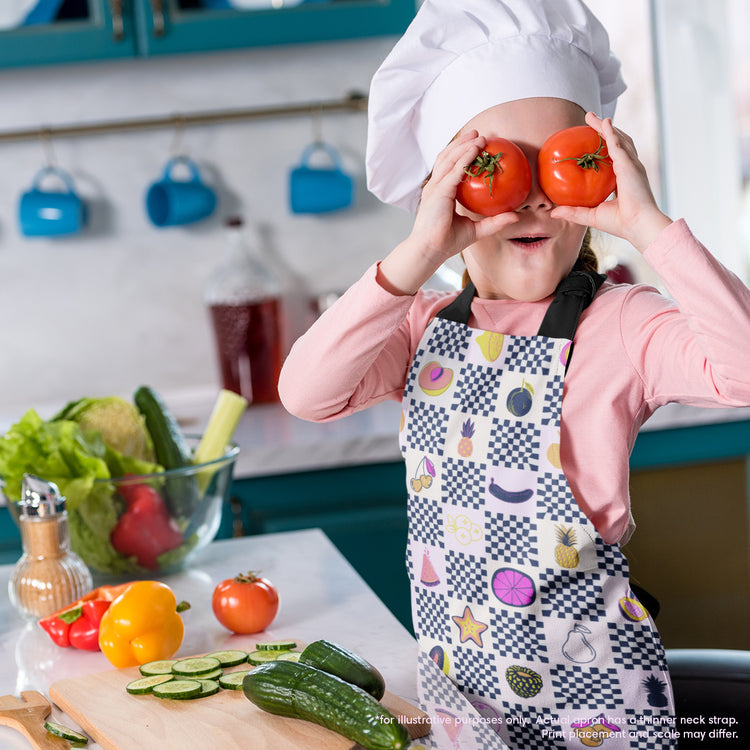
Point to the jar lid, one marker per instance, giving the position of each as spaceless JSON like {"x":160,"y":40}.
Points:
{"x":39,"y":497}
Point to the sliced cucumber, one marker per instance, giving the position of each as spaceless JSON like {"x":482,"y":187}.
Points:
{"x":286,"y":645}
{"x":196,"y":666}
{"x":289,"y":656}
{"x":214,"y":674}
{"x":229,"y":658}
{"x":262,"y":657}
{"x":163,"y":666}
{"x":208,"y":687}
{"x":233,"y":680}
{"x":67,"y":734}
{"x":178,"y":689}
{"x":145,"y":685}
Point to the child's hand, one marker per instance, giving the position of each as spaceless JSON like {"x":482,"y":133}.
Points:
{"x":438,"y":224}
{"x":439,"y":232}
{"x":632,"y":214}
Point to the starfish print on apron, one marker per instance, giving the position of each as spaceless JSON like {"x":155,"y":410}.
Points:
{"x":515,"y":595}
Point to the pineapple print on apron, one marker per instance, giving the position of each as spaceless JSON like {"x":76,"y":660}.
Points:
{"x":514,"y":593}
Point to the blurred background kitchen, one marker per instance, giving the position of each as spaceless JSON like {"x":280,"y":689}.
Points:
{"x":123,"y":302}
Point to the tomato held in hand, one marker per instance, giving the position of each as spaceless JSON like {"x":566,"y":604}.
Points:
{"x":245,"y":604}
{"x":575,"y":168}
{"x":498,"y":180}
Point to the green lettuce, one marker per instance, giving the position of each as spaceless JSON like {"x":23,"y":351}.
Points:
{"x":79,"y":463}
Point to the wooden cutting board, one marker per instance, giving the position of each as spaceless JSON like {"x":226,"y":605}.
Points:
{"x":227,"y":720}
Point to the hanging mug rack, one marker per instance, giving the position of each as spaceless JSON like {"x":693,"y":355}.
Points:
{"x":353,"y":102}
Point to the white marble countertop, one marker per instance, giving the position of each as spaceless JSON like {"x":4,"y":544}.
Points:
{"x":272,"y":441}
{"x":321,"y":597}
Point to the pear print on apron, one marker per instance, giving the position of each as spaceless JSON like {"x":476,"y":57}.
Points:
{"x":515,"y":595}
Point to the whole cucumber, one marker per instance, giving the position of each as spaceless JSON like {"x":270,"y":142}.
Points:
{"x":338,"y":661}
{"x":182,"y":493}
{"x":293,"y":689}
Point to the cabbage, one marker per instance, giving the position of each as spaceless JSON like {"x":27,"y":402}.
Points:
{"x":121,"y":425}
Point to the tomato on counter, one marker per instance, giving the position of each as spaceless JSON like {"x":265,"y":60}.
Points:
{"x":245,"y":603}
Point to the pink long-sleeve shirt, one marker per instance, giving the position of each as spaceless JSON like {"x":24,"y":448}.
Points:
{"x":635,"y":350}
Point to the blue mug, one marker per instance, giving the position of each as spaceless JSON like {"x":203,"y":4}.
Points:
{"x":171,"y":202}
{"x":315,"y":190}
{"x":51,"y":213}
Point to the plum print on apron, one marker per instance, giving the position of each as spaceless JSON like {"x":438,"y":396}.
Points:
{"x":515,"y":595}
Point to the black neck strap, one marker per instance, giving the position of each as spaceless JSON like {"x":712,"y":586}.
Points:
{"x":572,"y":296}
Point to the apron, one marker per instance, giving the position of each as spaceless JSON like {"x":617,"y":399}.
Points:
{"x":515,"y":595}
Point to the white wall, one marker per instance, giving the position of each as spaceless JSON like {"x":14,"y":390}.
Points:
{"x":122,"y":305}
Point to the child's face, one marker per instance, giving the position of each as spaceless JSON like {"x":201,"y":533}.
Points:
{"x":504,"y":266}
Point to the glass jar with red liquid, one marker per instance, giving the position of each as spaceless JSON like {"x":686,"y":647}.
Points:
{"x":244,"y":301}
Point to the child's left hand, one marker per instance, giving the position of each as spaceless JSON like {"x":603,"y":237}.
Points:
{"x":632,"y":214}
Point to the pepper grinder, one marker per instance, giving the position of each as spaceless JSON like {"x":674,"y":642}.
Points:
{"x":49,"y":575}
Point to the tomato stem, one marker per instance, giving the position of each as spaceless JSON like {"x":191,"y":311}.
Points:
{"x":249,"y":577}
{"x":485,"y":165}
{"x":589,"y":161}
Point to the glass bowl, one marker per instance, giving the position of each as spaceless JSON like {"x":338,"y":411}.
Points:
{"x":146,"y":525}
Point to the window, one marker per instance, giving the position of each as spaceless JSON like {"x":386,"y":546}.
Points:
{"x":702,"y":60}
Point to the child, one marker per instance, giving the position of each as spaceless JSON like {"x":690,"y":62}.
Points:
{"x":517,"y":487}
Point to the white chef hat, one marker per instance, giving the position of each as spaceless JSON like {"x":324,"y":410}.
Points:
{"x":460,"y":57}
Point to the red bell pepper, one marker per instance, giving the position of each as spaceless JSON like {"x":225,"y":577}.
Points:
{"x":145,"y":530}
{"x":77,"y":624}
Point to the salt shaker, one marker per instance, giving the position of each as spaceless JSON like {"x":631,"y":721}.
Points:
{"x":49,"y":575}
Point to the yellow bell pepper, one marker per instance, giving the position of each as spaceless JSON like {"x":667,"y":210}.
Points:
{"x":142,"y":624}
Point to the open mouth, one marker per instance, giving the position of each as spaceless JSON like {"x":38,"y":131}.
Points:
{"x":530,"y":241}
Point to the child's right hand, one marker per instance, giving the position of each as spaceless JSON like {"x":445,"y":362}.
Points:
{"x":439,"y":231}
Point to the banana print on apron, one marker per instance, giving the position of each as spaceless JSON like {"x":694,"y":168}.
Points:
{"x":515,"y":595}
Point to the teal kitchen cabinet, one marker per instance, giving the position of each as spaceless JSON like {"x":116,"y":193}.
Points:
{"x":84,"y":30}
{"x":362,"y":510}
{"x":87,"y":30}
{"x":10,"y":538}
{"x":205,"y":25}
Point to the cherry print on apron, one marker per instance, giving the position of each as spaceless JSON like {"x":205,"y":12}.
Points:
{"x":515,"y":595}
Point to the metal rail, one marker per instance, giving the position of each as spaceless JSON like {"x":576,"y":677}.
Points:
{"x":354,"y":102}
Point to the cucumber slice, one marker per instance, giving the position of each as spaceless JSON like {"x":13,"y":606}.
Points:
{"x":214,"y":674}
{"x":208,"y":687}
{"x":145,"y":685}
{"x":178,"y":689}
{"x":262,"y":657}
{"x":67,"y":734}
{"x":286,"y":645}
{"x":233,"y":680}
{"x":229,"y":658}
{"x":195,"y":666}
{"x":289,"y":656}
{"x":163,"y":666}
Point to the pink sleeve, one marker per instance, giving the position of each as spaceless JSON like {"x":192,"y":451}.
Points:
{"x":692,"y":349}
{"x":355,"y":355}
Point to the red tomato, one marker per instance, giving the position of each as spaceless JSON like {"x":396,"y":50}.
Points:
{"x":245,"y":604}
{"x":575,"y":168}
{"x":498,"y":180}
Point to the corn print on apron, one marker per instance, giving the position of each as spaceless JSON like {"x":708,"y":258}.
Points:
{"x":514,"y":593}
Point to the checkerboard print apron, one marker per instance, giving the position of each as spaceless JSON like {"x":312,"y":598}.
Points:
{"x":514,"y":593}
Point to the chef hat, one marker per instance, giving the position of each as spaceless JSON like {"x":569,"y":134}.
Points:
{"x":460,"y":57}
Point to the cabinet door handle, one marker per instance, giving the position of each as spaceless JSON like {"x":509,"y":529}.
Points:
{"x":157,"y":16}
{"x":118,"y":29}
